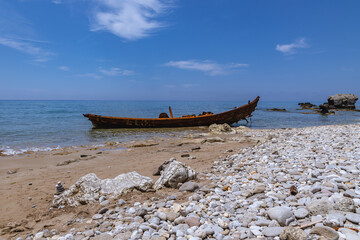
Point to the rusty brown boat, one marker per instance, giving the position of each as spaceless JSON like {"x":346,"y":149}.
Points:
{"x":229,"y":117}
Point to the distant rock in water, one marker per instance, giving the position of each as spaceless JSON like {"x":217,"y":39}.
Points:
{"x":342,"y":101}
{"x":324,"y":109}
{"x":277,"y":110}
{"x":307,"y":105}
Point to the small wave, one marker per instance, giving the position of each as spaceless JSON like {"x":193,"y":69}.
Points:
{"x":8,"y":151}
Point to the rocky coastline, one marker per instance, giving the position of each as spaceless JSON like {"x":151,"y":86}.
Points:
{"x":337,"y":102}
{"x":290,"y":184}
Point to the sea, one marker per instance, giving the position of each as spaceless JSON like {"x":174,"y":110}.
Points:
{"x":46,"y":125}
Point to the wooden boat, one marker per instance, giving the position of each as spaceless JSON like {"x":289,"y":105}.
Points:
{"x":229,"y":117}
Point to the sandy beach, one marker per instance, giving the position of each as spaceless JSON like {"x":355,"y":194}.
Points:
{"x":28,"y":181}
{"x":293,"y":183}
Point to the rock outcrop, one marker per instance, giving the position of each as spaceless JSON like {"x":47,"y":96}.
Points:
{"x":173,"y":173}
{"x":220,"y":128}
{"x":346,"y":101}
{"x":307,"y":105}
{"x":90,"y":188}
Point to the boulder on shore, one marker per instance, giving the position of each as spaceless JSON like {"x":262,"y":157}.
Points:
{"x":90,"y":188}
{"x":220,"y":128}
{"x":346,"y":101}
{"x":173,"y":173}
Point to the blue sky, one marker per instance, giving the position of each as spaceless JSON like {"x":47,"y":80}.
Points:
{"x":282,"y":50}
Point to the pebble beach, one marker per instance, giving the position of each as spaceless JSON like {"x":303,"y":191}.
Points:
{"x":294,"y":183}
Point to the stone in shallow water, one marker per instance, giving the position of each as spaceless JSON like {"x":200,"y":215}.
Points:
{"x":326,"y":232}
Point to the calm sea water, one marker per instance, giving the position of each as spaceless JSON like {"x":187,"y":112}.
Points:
{"x":43,"y":125}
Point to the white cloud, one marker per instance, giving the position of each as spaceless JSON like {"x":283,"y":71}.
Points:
{"x":289,"y":49}
{"x":64,"y":68}
{"x":89,"y":75}
{"x":128,"y":19}
{"x":27,"y":46}
{"x":190,"y":85}
{"x":209,"y":67}
{"x":112,"y":72}
{"x":56,"y":1}
{"x":116,"y":72}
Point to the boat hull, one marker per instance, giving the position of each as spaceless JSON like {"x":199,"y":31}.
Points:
{"x":228,"y":117}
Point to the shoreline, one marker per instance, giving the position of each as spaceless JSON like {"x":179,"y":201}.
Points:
{"x":109,"y":144}
{"x":263,"y":163}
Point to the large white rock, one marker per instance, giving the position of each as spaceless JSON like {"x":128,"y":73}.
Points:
{"x":90,"y":188}
{"x":220,"y":128}
{"x":343,"y":100}
{"x":173,"y":173}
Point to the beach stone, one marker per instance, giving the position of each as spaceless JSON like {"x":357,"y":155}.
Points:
{"x":349,"y":234}
{"x":121,"y":202}
{"x":90,"y":188}
{"x":301,"y":213}
{"x":105,"y":203}
{"x":167,"y":214}
{"x":89,"y":233}
{"x":200,"y":233}
{"x":335,"y":219}
{"x":282,"y":215}
{"x":192,"y":221}
{"x":179,"y":220}
{"x":141,"y":212}
{"x":174,"y":173}
{"x":255,"y":230}
{"x":189,"y":186}
{"x":259,"y":188}
{"x":219,"y":128}
{"x":344,"y":204}
{"x":353,"y":217}
{"x":47,"y":233}
{"x":320,"y":207}
{"x":157,"y":171}
{"x":97,"y":216}
{"x":103,"y":236}
{"x":213,"y":140}
{"x":69,"y":236}
{"x":272,"y":231}
{"x":326,"y":232}
{"x":293,"y":233}
{"x":39,"y":235}
{"x":103,"y":210}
